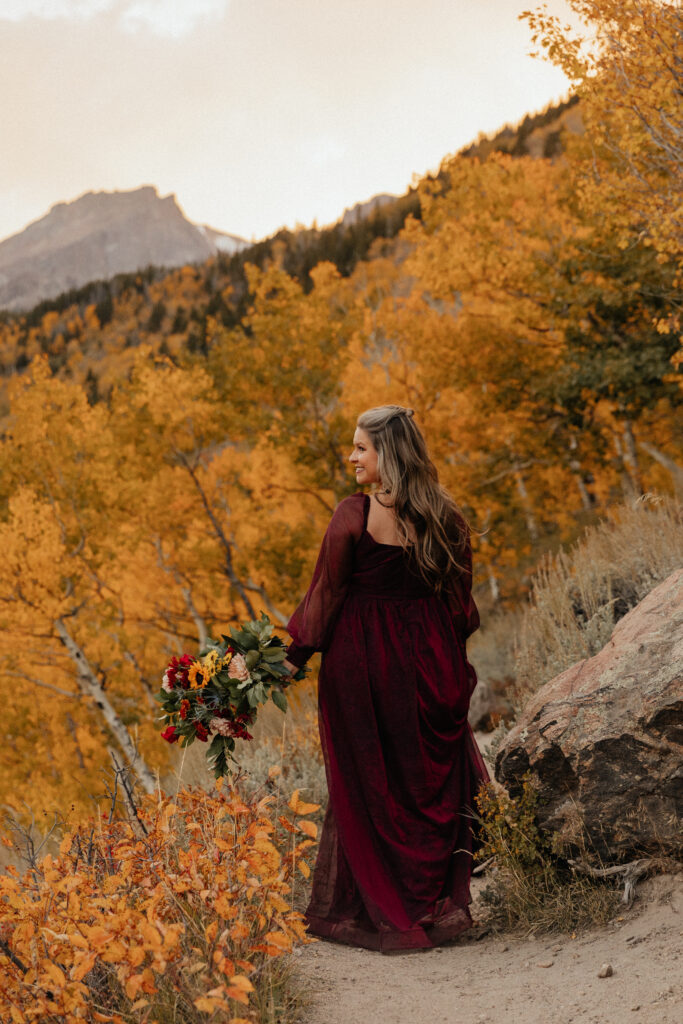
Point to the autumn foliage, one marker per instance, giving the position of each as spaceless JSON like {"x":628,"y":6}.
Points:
{"x":170,"y":914}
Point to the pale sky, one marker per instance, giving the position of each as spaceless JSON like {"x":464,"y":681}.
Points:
{"x":257,"y":114}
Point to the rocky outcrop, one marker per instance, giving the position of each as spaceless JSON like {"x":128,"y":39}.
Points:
{"x":97,"y":236}
{"x":604,"y":740}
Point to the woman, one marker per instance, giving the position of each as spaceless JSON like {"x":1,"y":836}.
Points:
{"x":390,"y":607}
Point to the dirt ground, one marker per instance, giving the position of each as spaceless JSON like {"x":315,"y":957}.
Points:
{"x":543,"y":980}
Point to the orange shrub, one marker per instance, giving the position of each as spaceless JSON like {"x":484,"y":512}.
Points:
{"x":171,"y":914}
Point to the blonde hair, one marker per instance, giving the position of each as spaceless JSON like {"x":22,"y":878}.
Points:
{"x":411,"y":485}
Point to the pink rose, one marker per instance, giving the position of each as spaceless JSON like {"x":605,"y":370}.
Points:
{"x":238,"y":668}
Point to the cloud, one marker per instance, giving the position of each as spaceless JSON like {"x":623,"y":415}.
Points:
{"x":171,"y":17}
{"x":174,"y":18}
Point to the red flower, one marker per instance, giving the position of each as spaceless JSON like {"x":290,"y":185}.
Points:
{"x":201,"y":732}
{"x":184,"y":708}
{"x":241,"y":733}
{"x":186,"y":660}
{"x":170,"y":735}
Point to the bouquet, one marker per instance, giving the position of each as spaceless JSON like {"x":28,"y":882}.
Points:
{"x":215,"y":696}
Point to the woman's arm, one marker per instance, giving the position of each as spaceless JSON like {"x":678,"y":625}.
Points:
{"x":312,"y":623}
{"x":458,"y":594}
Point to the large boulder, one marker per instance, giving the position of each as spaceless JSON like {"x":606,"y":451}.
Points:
{"x":604,"y":740}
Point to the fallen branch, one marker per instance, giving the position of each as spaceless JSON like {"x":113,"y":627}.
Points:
{"x":481,"y":868}
{"x":631,"y":872}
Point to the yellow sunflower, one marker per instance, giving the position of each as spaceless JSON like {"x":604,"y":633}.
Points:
{"x":212,"y":663}
{"x":198,"y":675}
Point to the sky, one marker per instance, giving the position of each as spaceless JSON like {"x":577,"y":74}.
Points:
{"x":257,"y":114}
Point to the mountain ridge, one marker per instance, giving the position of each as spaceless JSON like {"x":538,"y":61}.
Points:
{"x":98,"y":235}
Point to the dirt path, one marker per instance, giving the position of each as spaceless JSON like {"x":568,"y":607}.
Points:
{"x":548,"y":980}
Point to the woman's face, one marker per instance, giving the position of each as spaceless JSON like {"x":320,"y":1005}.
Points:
{"x":364,"y":458}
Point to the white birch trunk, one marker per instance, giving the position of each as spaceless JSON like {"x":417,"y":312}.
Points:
{"x":90,"y":686}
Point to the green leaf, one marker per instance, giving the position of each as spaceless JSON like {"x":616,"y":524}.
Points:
{"x":215,"y":746}
{"x":274,"y":654}
{"x":279,"y":700}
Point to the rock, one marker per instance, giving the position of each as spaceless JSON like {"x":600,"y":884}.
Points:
{"x":604,"y":740}
{"x":605,"y":971}
{"x":545,"y":963}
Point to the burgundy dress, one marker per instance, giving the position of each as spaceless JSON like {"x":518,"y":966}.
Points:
{"x":395,"y":854}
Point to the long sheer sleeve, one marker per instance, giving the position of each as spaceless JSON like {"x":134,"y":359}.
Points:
{"x":311,"y":624}
{"x":458,"y":594}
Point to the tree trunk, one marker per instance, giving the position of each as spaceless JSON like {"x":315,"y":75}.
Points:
{"x":587,"y":499}
{"x":202,"y":631}
{"x":90,"y":686}
{"x":628,"y":485}
{"x":669,"y":464}
{"x":630,"y":456}
{"x":526,"y":505}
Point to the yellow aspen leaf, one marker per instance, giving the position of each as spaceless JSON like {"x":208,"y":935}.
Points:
{"x":134,"y":985}
{"x":223,"y":905}
{"x":279,"y":939}
{"x":148,"y":981}
{"x":17,"y":1015}
{"x":53,"y":972}
{"x":245,"y":965}
{"x":309,"y":828}
{"x":136,"y":955}
{"x":304,"y":869}
{"x":278,"y":903}
{"x":211,"y":931}
{"x":150,"y":935}
{"x":114,"y":952}
{"x":97,"y":936}
{"x":287,"y":824}
{"x":83,"y":962}
{"x":207,"y":1005}
{"x":299,"y":807}
{"x":140,"y":1004}
{"x":238,"y":994}
{"x":241,"y":982}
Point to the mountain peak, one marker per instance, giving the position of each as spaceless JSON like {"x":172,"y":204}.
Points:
{"x":98,"y":235}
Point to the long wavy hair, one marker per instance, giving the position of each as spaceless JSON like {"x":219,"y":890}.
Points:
{"x":410,"y":484}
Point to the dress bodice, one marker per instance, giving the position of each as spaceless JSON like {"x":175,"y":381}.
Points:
{"x":385,"y":571}
{"x":352,"y":564}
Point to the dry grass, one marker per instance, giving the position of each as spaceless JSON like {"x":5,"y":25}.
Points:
{"x":578,"y":596}
{"x":531,"y":889}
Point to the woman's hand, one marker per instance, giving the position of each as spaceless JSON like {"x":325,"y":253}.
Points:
{"x":292,"y":669}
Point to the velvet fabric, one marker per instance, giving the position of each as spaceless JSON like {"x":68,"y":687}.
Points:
{"x":395,"y":855}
